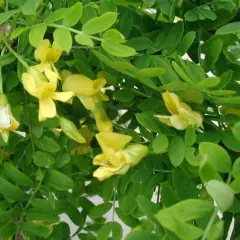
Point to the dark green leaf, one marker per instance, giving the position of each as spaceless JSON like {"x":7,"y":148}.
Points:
{"x":176,"y":151}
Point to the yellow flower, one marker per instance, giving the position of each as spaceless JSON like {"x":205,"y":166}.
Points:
{"x":7,"y":121}
{"x":43,"y":86}
{"x":116,"y":159}
{"x":47,"y":54}
{"x":182,"y":114}
{"x":102,"y":121}
{"x":87,"y":90}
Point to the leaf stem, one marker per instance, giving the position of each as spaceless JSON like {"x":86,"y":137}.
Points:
{"x":15,"y":54}
{"x":73,"y":30}
{"x":1,"y":77}
{"x":210,"y":223}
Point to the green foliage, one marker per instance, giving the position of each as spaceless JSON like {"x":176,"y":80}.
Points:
{"x":142,"y":48}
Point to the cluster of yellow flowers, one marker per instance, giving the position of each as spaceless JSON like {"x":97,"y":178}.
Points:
{"x":41,"y":81}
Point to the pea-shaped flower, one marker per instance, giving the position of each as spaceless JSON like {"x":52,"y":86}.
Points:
{"x":182,"y":114}
{"x":7,"y":121}
{"x":116,"y":157}
{"x":88,"y":91}
{"x":43,"y":85}
{"x":47,"y":54}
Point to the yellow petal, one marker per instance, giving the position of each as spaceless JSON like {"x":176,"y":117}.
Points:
{"x":164,"y":119}
{"x":14,"y":124}
{"x":112,"y":142}
{"x":87,"y":102}
{"x":47,"y":108}
{"x":80,"y":85}
{"x":41,"y":53}
{"x":118,"y":159}
{"x":100,"y":159}
{"x":171,"y":101}
{"x":102,"y":121}
{"x":29,"y":84}
{"x":178,"y":122}
{"x":103,"y":173}
{"x":192,"y":117}
{"x":99,"y":83}
{"x":62,"y":96}
{"x":136,"y":153}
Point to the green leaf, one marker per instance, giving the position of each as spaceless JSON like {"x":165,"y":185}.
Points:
{"x":100,"y":210}
{"x":113,"y":36}
{"x":18,"y":31}
{"x":148,"y":122}
{"x":63,"y":160}
{"x":29,"y":7}
{"x":208,"y":82}
{"x":221,"y":193}
{"x":63,"y":39}
{"x":149,"y":3}
{"x":176,"y":151}
{"x":6,"y":15}
{"x":216,"y":155}
{"x":11,"y":192}
{"x":124,"y":95}
{"x":36,"y":230}
{"x":235,"y":185}
{"x":84,"y":39}
{"x":225,"y":78}
{"x":117,"y":49}
{"x":236,"y":131}
{"x":100,"y":24}
{"x":207,"y":172}
{"x":147,"y":206}
{"x":190,"y":136}
{"x":236,"y":168}
{"x":216,"y":231}
{"x":183,"y":184}
{"x":59,"y":181}
{"x":212,"y":53}
{"x":127,"y":219}
{"x":126,"y":23}
{"x":8,"y":229}
{"x":47,"y":144}
{"x":181,"y":73}
{"x":230,"y":141}
{"x":191,"y":158}
{"x":6,"y":215}
{"x":140,"y":43}
{"x":168,"y":194}
{"x":221,"y":92}
{"x":160,"y":144}
{"x":113,"y":228}
{"x":15,"y":175}
{"x":141,"y":235}
{"x":229,"y":29}
{"x":150,"y":72}
{"x":6,"y":59}
{"x":43,"y":159}
{"x":56,"y":15}
{"x":36,"y":34}
{"x":185,"y":43}
{"x":73,"y":15}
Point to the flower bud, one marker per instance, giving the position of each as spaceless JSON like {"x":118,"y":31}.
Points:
{"x":71,"y":130}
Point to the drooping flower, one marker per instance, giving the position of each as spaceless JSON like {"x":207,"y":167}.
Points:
{"x":116,"y":157}
{"x":47,"y":54}
{"x":182,"y":114}
{"x":43,"y":85}
{"x":87,"y":90}
{"x":7,"y":121}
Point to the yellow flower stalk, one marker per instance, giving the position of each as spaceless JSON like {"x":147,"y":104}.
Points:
{"x":47,"y":54}
{"x":43,"y":85}
{"x":7,"y":121}
{"x":116,"y":157}
{"x":181,"y":114}
{"x":87,"y":90}
{"x":104,"y":124}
